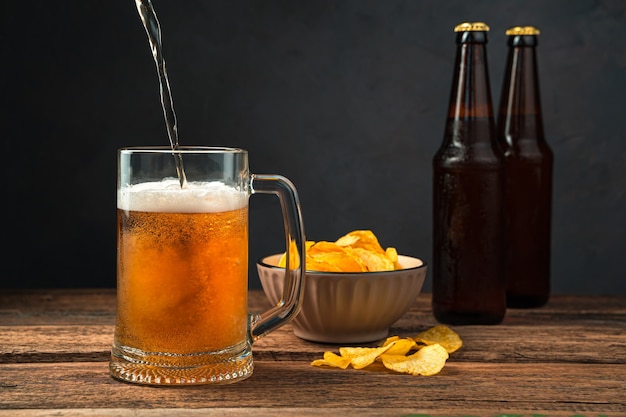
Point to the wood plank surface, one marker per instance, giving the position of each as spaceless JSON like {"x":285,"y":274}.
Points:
{"x":51,"y":327}
{"x":582,"y":343}
{"x":460,"y":386}
{"x":567,"y":358}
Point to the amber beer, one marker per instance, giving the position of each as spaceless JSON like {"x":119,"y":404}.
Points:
{"x":183,"y":273}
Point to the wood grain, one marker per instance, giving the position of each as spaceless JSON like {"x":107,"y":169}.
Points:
{"x":296,"y":384}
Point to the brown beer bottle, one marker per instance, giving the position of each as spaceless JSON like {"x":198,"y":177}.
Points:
{"x":528,"y":162}
{"x":468,"y":195}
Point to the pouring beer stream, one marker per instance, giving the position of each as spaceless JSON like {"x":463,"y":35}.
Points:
{"x":153,"y":29}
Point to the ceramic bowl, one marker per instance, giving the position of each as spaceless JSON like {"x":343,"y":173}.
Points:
{"x":348,"y":307}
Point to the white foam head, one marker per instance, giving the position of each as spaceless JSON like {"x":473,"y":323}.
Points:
{"x":168,"y":196}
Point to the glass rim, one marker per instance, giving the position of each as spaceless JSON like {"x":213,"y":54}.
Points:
{"x":181,"y":149}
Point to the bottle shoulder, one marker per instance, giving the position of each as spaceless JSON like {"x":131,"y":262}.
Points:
{"x":527,"y":148}
{"x":482,"y":154}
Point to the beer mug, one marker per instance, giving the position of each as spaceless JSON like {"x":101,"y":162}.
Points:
{"x":182,"y":265}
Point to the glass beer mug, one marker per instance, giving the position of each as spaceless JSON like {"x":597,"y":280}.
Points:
{"x":182,"y":265}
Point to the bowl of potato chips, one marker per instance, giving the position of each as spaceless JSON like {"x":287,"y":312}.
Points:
{"x":354,"y":289}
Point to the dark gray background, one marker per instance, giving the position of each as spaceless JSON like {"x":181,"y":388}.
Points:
{"x":346,"y":98}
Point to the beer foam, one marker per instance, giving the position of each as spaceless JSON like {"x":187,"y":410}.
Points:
{"x":168,"y":196}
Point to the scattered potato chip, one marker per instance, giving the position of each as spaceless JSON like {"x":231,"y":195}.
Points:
{"x":441,"y":335}
{"x":392,"y":358}
{"x":360,"y":357}
{"x":337,"y":360}
{"x":429,"y":358}
{"x":427,"y":361}
{"x":401,"y":346}
{"x":390,"y":339}
{"x":332,"y":359}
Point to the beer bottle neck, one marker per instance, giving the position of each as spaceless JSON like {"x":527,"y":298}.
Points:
{"x":519,"y":113}
{"x":471,"y":93}
{"x":470,"y":97}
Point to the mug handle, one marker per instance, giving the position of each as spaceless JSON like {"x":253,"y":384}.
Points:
{"x":289,"y":305}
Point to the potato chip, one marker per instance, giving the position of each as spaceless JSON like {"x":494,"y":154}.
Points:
{"x":350,"y":351}
{"x":365,"y":239}
{"x":390,"y":339}
{"x":321,"y":265}
{"x":335,"y":262}
{"x":337,"y":360}
{"x":374,"y":261}
{"x":392,"y":358}
{"x":360,"y":357}
{"x":427,"y":361}
{"x":401,"y":346}
{"x":294,"y":259}
{"x":441,"y":335}
{"x":333,"y":360}
{"x":357,"y":251}
{"x":320,"y":362}
{"x":329,"y":257}
{"x":324,"y":247}
{"x":392,"y":254}
{"x":347,"y":240}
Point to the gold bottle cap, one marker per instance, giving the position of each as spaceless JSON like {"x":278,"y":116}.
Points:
{"x":471,"y":27}
{"x":522,"y":30}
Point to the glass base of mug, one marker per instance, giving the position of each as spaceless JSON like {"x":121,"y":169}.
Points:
{"x":149,"y":368}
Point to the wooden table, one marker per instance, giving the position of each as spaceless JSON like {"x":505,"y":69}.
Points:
{"x":565,"y":359}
